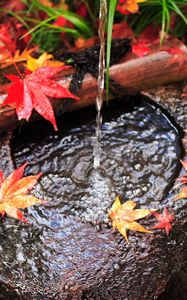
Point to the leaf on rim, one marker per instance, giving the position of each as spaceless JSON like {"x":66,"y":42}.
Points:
{"x":33,"y":92}
{"x":140,"y":48}
{"x":44,"y":60}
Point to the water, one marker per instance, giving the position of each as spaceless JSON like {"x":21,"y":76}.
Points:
{"x":100,"y":83}
{"x":138,"y":161}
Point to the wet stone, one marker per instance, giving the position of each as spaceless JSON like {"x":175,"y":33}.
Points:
{"x":69,"y":250}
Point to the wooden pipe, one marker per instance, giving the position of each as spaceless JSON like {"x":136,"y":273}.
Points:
{"x":134,"y":75}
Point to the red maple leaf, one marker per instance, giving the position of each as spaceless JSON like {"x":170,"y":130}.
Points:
{"x":164,"y":220}
{"x":141,"y":48}
{"x":122,"y":30}
{"x":184,"y":95}
{"x":62,"y":22}
{"x":33,"y":91}
{"x":179,"y":56}
{"x":14,"y":5}
{"x":7,"y":41}
{"x":183,"y":178}
{"x":82,"y":10}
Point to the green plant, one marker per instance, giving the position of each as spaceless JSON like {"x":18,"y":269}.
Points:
{"x":161,"y":12}
{"x":44,"y":32}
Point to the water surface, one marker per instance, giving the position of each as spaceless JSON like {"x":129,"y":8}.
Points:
{"x":140,"y":153}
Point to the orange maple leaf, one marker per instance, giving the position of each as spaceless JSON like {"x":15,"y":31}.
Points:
{"x":128,"y":6}
{"x":183,"y":179}
{"x":182,"y":194}
{"x":13,"y":193}
{"x":124,"y":217}
{"x":185,"y":140}
{"x":184,"y":163}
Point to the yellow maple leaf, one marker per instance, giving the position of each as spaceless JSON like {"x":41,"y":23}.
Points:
{"x":18,"y":57}
{"x":124,"y":217}
{"x":44,"y":60}
{"x":182,"y":194}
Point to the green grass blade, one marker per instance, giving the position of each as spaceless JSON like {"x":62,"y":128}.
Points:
{"x":177,"y":10}
{"x":79,"y":22}
{"x":112,"y":6}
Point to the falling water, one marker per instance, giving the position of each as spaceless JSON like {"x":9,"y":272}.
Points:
{"x":100,"y":83}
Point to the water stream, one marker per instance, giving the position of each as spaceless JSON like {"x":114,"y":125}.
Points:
{"x":100,"y":83}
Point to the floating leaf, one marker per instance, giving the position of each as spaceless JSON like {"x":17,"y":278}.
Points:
{"x":124,"y":217}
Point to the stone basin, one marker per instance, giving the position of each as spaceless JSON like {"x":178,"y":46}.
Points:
{"x":69,"y":251}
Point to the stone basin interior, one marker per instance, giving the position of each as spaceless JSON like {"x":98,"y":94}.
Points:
{"x":140,"y":160}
